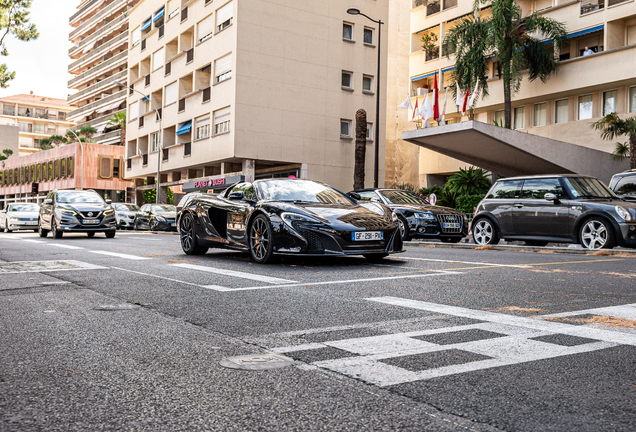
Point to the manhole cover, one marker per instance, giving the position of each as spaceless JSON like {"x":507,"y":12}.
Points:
{"x":117,"y":307}
{"x":256,"y":362}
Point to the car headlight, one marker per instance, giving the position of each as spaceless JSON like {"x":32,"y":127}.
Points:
{"x":15,"y":219}
{"x":624,"y":213}
{"x":288,"y":218}
{"x":68,"y":212}
{"x":394,"y":217}
{"x":425,"y":216}
{"x":107,"y":212}
{"x":160,"y":218}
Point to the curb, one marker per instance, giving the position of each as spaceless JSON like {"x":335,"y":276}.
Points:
{"x":628,"y":253}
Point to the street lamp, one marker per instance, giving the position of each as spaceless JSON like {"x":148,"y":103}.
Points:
{"x":81,"y":148}
{"x":160,"y":132}
{"x":376,"y":162}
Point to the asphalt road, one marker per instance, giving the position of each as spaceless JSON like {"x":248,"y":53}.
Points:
{"x":128,"y":334}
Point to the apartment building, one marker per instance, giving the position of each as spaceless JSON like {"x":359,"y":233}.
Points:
{"x":561,"y":110}
{"x":99,"y":57}
{"x":250,"y":89}
{"x":37,"y":117}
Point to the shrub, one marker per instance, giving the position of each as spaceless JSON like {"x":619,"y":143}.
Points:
{"x":467,"y":203}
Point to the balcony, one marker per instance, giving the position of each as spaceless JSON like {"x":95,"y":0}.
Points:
{"x":97,"y":87}
{"x":432,"y":54}
{"x":88,"y":109}
{"x":418,"y":3}
{"x":432,"y":7}
{"x":99,"y":69}
{"x":82,"y":10}
{"x":108,"y":27}
{"x":98,"y":51}
{"x":107,"y":137}
{"x":98,"y":17}
{"x":588,"y":6}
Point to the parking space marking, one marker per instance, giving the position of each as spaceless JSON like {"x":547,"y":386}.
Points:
{"x":464,"y":262}
{"x":627,"y":311}
{"x":158,"y":277}
{"x":237,"y":274}
{"x":46,"y":266}
{"x":64,"y":246}
{"x":120,"y":255}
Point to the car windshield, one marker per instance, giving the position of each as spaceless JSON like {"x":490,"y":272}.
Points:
{"x":164,"y":209}
{"x":301,"y":191}
{"x":403,"y":197}
{"x":587,"y":187}
{"x":126,"y":207}
{"x":23,"y":208}
{"x":68,"y":197}
{"x":626,"y":186}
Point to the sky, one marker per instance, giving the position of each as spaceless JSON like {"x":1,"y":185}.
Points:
{"x":41,"y":65}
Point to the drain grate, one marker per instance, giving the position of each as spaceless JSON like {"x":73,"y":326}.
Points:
{"x":257,"y":362}
{"x":45,"y":266}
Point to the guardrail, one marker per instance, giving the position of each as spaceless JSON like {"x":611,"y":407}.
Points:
{"x":97,"y":104}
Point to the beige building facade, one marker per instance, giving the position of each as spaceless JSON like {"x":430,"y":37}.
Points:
{"x":252,"y":88}
{"x":36,"y":117}
{"x":585,"y":88}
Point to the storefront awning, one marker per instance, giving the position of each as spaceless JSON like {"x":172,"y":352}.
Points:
{"x":185,"y":128}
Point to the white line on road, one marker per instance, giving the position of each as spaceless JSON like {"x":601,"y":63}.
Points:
{"x":64,"y":246}
{"x":31,"y":241}
{"x":120,"y":255}
{"x":627,"y":311}
{"x":233,"y":273}
{"x":464,"y":262}
{"x":160,"y":277}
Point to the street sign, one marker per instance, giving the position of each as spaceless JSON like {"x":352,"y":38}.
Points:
{"x":432,"y":199}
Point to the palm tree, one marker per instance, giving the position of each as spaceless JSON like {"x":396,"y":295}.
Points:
{"x":360,"y":149}
{"x":612,"y":126}
{"x":471,"y":181}
{"x":119,"y":120}
{"x":511,"y":39}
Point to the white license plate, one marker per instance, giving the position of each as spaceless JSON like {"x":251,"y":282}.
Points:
{"x":90,"y":222}
{"x":367,"y":236}
{"x":451,"y":225}
{"x":32,"y":223}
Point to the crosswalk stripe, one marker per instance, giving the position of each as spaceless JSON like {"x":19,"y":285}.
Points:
{"x":120,"y":255}
{"x":237,"y":274}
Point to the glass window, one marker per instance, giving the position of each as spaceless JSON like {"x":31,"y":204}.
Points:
{"x":345,"y":128}
{"x":221,"y":121}
{"x":205,"y":29}
{"x":163,"y":208}
{"x":505,"y":189}
{"x":39,"y":128}
{"x":587,"y":187}
{"x":133,"y":111}
{"x":10,"y":109}
{"x":632,"y":99}
{"x":368,"y":36}
{"x":248,"y":191}
{"x":537,"y":188}
{"x":202,"y":125}
{"x":78,"y":197}
{"x":585,"y":107}
{"x":609,"y":102}
{"x":154,"y":142}
{"x":367,"y":83}
{"x":301,"y":190}
{"x":347,"y":78}
{"x":626,"y":186}
{"x":403,"y":197}
{"x":538,"y":119}
{"x":561,"y":111}
{"x":347,"y":31}
{"x":369,"y":131}
{"x":499,"y":118}
{"x":519,"y":120}
{"x":369,"y":196}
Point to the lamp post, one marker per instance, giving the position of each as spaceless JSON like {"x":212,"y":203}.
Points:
{"x":376,"y":161}
{"x":160,"y":132}
{"x":81,"y":149}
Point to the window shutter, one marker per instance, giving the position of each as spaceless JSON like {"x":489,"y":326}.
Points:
{"x":205,"y":28}
{"x":136,"y":36}
{"x":223,"y":65}
{"x":171,"y":93}
{"x":158,"y":59}
{"x":221,"y":115}
{"x":225,"y":13}
{"x":173,"y":5}
{"x":105,"y":167}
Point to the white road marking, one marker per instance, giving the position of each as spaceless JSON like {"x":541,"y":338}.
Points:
{"x":627,"y":311}
{"x":31,"y":240}
{"x":46,"y":266}
{"x":236,"y":274}
{"x":120,"y":255}
{"x":464,"y":262}
{"x":158,"y":277}
{"x":64,"y":246}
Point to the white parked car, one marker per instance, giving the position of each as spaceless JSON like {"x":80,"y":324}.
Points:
{"x":19,"y":216}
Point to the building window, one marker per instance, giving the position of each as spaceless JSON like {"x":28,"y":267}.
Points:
{"x":585,"y":107}
{"x":39,"y":128}
{"x":25,"y":127}
{"x":171,"y":93}
{"x":224,"y":16}
{"x":367,"y":84}
{"x":221,"y":121}
{"x":173,"y":8}
{"x":223,"y":69}
{"x":8,"y":110}
{"x":519,"y":120}
{"x":609,"y":102}
{"x":369,"y":131}
{"x":158,"y":59}
{"x":25,"y":112}
{"x":202,"y":125}
{"x":40,"y":113}
{"x":136,"y":36}
{"x":133,"y":111}
{"x":368,"y":36}
{"x":347,"y":32}
{"x":61,"y":115}
{"x":632,"y":99}
{"x":538,"y":118}
{"x":345,"y":128}
{"x":561,"y":111}
{"x":154,"y":142}
{"x":205,"y":29}
{"x":499,"y":118}
{"x":347,"y":80}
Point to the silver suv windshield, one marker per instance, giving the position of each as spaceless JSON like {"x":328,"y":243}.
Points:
{"x":586,"y":187}
{"x":68,"y":197}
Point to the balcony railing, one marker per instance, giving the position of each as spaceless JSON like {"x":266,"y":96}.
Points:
{"x":99,"y":68}
{"x":432,"y":54}
{"x":88,"y":90}
{"x":97,"y":104}
{"x":588,"y":6}
{"x":100,"y":50}
{"x":99,"y":16}
{"x":432,"y":7}
{"x":82,"y":10}
{"x":108,"y":27}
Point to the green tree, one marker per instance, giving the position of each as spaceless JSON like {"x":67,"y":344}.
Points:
{"x":612,"y":126}
{"x":512,"y":40}
{"x":14,"y":20}
{"x":471,"y":181}
{"x":118,"y":120}
{"x":7,"y":152}
{"x":150,"y":196}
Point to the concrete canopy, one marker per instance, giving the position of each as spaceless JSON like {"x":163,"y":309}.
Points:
{"x":512,"y":153}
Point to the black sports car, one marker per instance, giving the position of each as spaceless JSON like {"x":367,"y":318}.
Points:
{"x":288,"y":217}
{"x":418,"y":218}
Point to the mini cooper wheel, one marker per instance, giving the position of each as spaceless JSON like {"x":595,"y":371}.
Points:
{"x":404,"y":230}
{"x":596,"y":234}
{"x":485,"y":233}
{"x":188,"y":237}
{"x":54,"y":231}
{"x":261,"y":240}
{"x":41,"y":231}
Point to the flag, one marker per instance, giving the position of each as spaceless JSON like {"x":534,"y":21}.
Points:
{"x":435,"y":99}
{"x":444,"y":108}
{"x":406,"y":104}
{"x":465,"y":102}
{"x":416,"y":111}
{"x":427,"y":110}
{"x":460,"y":99}
{"x":474,"y":95}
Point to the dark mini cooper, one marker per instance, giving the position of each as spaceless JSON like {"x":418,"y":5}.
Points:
{"x":277,"y":217}
{"x":555,"y":208}
{"x":76,"y":211}
{"x":417,"y":217}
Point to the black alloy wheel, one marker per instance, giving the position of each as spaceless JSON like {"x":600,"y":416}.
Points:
{"x":110,"y":234}
{"x":484,"y":232}
{"x":404,"y":230}
{"x":596,"y":233}
{"x":41,"y":231}
{"x":261,"y":240}
{"x":90,"y":234}
{"x":54,"y":231}
{"x":188,"y":237}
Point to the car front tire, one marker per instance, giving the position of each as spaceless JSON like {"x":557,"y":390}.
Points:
{"x":404,"y":229}
{"x":109,"y":234}
{"x":595,"y":234}
{"x":261,"y":240}
{"x":54,"y":231}
{"x":41,"y":231}
{"x":188,"y":237}
{"x":484,"y":232}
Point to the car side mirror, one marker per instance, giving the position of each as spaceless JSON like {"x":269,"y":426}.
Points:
{"x":48,"y":201}
{"x":550,"y":197}
{"x":355,"y":195}
{"x":108,"y":201}
{"x":236,"y":196}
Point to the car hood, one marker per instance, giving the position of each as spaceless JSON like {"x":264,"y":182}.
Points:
{"x":371,"y":216}
{"x":436,"y":210}
{"x":21,"y":214}
{"x":84,"y":207}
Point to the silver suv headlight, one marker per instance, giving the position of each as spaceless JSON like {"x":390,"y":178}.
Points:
{"x":623,"y":213}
